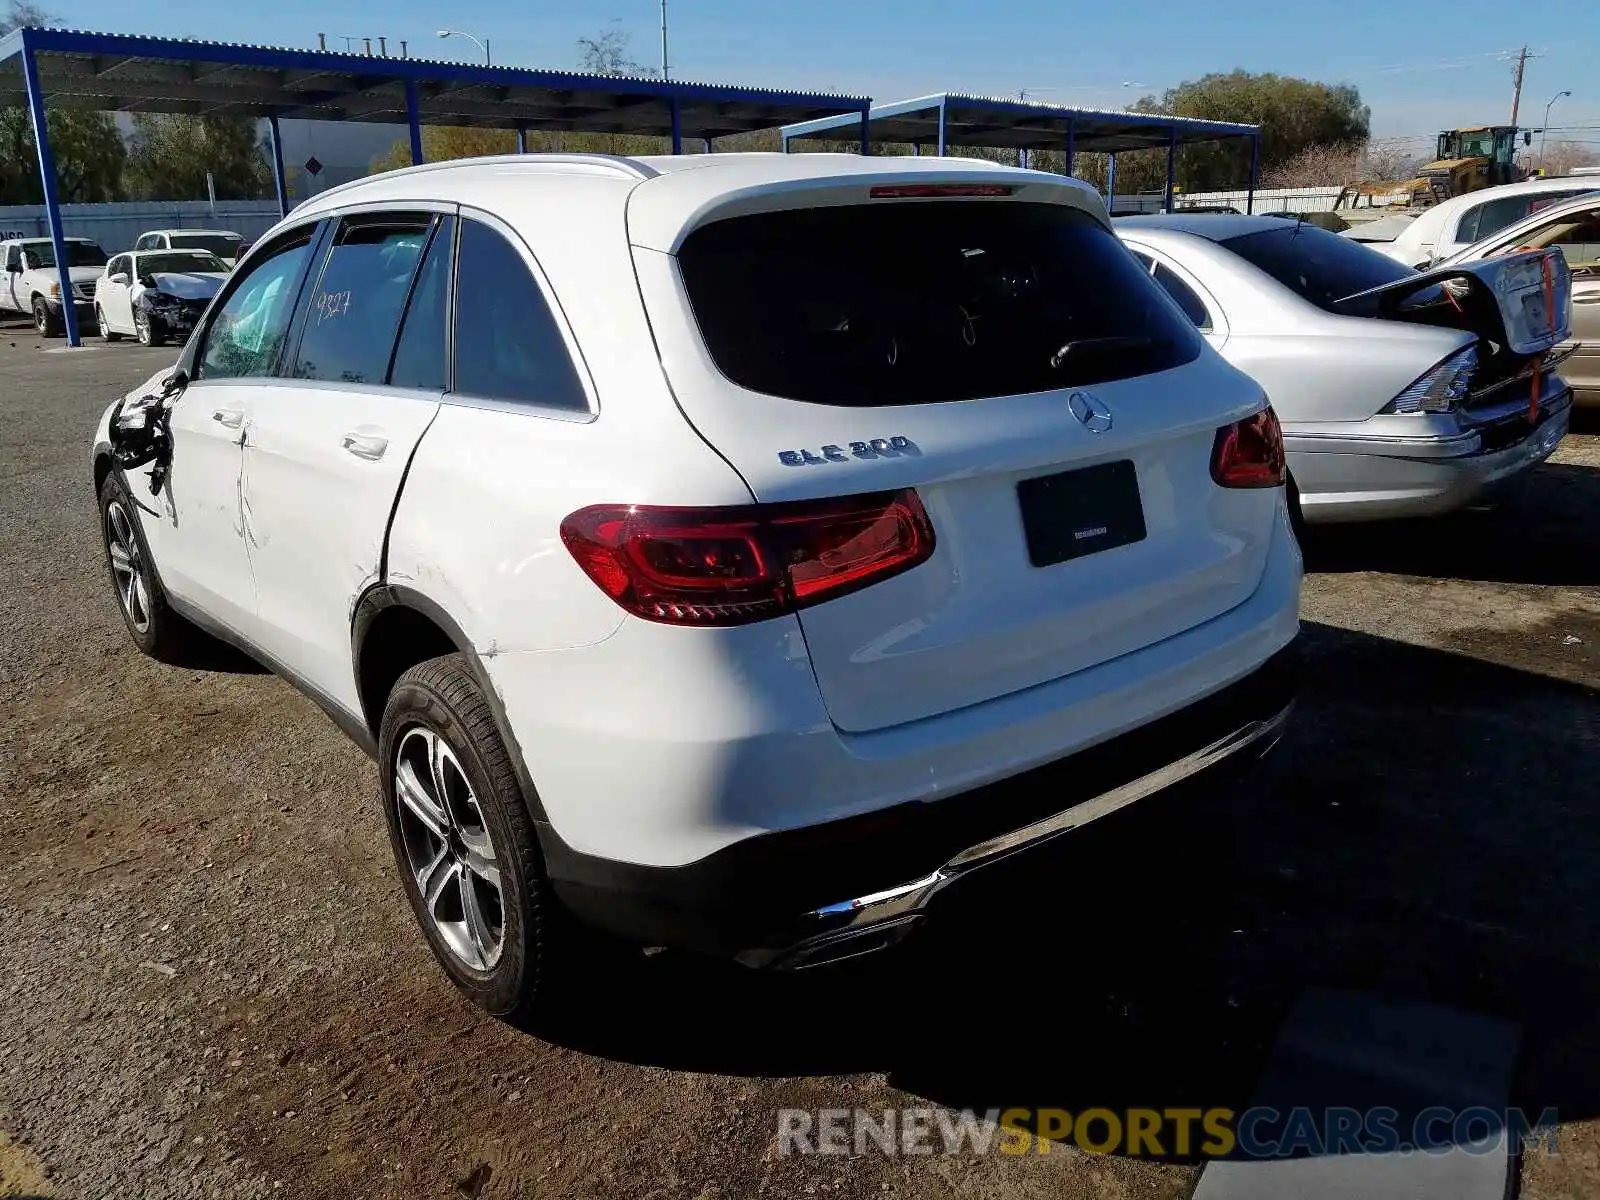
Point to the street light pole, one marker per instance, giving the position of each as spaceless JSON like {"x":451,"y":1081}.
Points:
{"x":482,"y":45}
{"x":664,"y":39}
{"x":1545,"y":131}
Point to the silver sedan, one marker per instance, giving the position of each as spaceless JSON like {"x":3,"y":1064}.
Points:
{"x":1397,"y":398}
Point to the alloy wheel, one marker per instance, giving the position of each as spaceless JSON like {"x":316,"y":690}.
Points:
{"x":141,"y":326}
{"x":127,"y":567}
{"x":449,"y":850}
{"x":41,"y":318}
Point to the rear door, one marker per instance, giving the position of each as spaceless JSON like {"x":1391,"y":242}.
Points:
{"x":1013,"y":364}
{"x":325,"y":452}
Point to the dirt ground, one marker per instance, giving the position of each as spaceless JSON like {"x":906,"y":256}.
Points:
{"x":210,"y":984}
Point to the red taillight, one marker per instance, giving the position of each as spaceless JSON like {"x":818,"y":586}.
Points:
{"x":1249,"y":453}
{"x":925,"y":191}
{"x":729,"y":566}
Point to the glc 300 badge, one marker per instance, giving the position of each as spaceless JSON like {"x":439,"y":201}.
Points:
{"x":891,"y":447}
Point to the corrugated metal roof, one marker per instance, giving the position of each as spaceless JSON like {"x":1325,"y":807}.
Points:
{"x":137,"y":73}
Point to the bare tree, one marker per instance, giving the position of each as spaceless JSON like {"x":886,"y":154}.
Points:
{"x":1340,"y":163}
{"x":23,"y":12}
{"x":1560,"y":157}
{"x":606,"y":53}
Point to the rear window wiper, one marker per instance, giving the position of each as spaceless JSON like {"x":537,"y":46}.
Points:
{"x":1101,"y":345}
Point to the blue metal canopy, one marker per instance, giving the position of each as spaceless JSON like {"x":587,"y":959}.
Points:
{"x":947,"y":119}
{"x":70,"y":69}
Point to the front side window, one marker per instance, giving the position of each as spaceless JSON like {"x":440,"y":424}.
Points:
{"x":248,"y":331}
{"x":1316,"y":265}
{"x":353,"y":314}
{"x":119,"y":266}
{"x":1577,"y":235}
{"x":421,"y":359}
{"x":508,"y":345}
{"x":921,"y":302}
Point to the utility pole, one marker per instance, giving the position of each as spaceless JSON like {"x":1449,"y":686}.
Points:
{"x":1516,"y":92}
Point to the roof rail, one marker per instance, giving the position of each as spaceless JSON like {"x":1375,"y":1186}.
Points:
{"x":630,"y":168}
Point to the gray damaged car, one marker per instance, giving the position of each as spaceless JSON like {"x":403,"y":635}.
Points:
{"x":1401,"y":393}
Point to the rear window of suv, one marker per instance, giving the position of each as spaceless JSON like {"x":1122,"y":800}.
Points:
{"x":919,"y":302}
{"x":1317,"y":265}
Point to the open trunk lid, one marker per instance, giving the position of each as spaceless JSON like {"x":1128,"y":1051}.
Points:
{"x":871,"y":345}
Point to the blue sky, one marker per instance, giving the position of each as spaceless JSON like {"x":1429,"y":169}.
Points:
{"x":1422,"y":65}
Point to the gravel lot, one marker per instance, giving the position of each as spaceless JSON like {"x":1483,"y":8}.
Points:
{"x":210,"y":984}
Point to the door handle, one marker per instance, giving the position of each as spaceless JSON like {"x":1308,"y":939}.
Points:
{"x":228,"y":418}
{"x":1591,"y":298}
{"x":365,"y":445}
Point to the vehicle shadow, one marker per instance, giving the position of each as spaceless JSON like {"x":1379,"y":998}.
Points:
{"x":1423,"y":832}
{"x":1526,"y":536}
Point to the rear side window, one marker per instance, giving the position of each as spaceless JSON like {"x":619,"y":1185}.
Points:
{"x":508,"y":345}
{"x":354,"y":312}
{"x":921,"y":302}
{"x":1188,"y":299}
{"x":1317,"y":265}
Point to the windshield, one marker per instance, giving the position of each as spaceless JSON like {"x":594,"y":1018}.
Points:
{"x":911,"y":303}
{"x":1317,"y":265}
{"x":79,"y":254}
{"x":223,"y":245}
{"x":151,"y":264}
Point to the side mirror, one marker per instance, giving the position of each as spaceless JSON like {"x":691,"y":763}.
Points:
{"x":174,"y":383}
{"x":120,"y":277}
{"x":14,"y":268}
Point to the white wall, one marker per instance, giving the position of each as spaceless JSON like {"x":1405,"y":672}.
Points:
{"x":117,"y":226}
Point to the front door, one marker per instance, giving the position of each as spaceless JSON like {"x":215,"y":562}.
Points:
{"x":114,"y":297}
{"x":199,"y":540}
{"x":326,"y":450}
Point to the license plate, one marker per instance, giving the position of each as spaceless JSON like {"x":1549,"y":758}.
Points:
{"x":1535,"y":314}
{"x":1077,"y":513}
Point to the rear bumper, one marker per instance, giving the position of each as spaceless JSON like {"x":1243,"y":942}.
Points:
{"x":1368,"y":473}
{"x":842,"y":888}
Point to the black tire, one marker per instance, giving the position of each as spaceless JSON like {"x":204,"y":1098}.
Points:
{"x":46,"y":322}
{"x":155,"y":628}
{"x":1297,"y":518}
{"x":540,"y":949}
{"x":148,"y":331}
{"x":105,"y":330}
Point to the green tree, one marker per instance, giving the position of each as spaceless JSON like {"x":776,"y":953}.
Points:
{"x":172,"y":152}
{"x":1293,"y":114}
{"x":87,"y":148}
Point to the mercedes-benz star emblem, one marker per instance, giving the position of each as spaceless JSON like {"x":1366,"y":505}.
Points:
{"x":1092,"y":414}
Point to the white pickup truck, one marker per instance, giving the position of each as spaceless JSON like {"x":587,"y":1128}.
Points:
{"x":30,"y":283}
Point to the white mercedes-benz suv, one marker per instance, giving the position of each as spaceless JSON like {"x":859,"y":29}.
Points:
{"x":727,"y":552}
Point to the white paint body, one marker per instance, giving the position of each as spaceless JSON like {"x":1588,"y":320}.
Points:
{"x":182,"y":239}
{"x":657,"y":744}
{"x":18,"y":288}
{"x":119,"y":287}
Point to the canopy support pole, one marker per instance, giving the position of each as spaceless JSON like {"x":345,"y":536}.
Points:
{"x":278,"y":180}
{"x":522,"y":139}
{"x":414,"y":122}
{"x":944,"y":117}
{"x":677,"y":126}
{"x":1072,"y":144}
{"x":866,"y":130}
{"x":1255,"y":173}
{"x":47,"y":183}
{"x":1111,"y":181}
{"x":1172,"y":164}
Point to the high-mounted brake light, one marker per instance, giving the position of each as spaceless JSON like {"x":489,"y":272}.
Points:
{"x":731,"y":566}
{"x":1249,"y":453}
{"x":922,"y":191}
